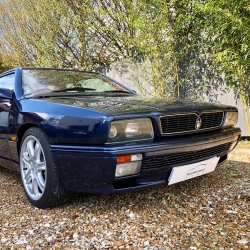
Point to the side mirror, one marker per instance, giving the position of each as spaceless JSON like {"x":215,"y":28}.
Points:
{"x":5,"y":93}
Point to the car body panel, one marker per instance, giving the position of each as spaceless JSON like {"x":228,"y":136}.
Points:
{"x":4,"y":127}
{"x":77,"y":127}
{"x":94,"y":167}
{"x":135,"y":104}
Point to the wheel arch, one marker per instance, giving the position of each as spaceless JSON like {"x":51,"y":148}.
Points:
{"x":21,"y":132}
{"x":51,"y":191}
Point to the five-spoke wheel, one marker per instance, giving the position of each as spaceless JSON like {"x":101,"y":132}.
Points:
{"x":33,"y":167}
{"x":39,"y":174}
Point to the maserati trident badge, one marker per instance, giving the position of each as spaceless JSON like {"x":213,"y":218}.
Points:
{"x":198,"y":123}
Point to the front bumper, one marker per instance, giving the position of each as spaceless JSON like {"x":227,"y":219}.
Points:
{"x":92,"y":168}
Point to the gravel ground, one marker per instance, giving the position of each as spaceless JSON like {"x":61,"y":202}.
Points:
{"x":209,"y":212}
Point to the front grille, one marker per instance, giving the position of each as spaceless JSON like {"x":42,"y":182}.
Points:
{"x":182,"y":123}
{"x":185,"y":157}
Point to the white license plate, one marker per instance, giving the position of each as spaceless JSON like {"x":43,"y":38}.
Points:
{"x":190,"y":171}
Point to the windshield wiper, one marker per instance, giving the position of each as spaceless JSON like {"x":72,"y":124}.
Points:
{"x":60,"y":93}
{"x":116,"y":91}
{"x":80,"y":89}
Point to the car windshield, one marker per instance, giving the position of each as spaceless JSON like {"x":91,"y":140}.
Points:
{"x":51,"y":81}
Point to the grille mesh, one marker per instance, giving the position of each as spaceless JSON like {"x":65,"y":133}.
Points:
{"x":182,"y":123}
{"x":185,"y":157}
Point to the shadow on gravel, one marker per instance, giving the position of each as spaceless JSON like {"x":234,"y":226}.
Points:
{"x":227,"y":174}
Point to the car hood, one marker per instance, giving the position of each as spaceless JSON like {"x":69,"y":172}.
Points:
{"x":135,"y":104}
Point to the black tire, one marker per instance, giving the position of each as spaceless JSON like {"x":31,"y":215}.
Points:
{"x":39,"y":174}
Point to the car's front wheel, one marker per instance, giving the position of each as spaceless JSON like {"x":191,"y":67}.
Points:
{"x":39,"y":174}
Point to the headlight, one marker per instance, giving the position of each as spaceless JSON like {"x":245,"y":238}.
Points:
{"x":112,"y":131}
{"x":130,"y":130}
{"x":231,"y":118}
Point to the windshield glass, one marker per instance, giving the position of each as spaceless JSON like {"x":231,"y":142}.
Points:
{"x":46,"y":81}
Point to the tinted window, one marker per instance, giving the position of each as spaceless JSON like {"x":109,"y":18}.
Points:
{"x":7,"y":82}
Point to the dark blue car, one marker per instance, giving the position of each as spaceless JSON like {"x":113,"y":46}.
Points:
{"x":68,"y":130}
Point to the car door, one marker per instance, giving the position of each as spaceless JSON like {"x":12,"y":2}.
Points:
{"x":7,"y":82}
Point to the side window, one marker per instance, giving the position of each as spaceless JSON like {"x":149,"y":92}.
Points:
{"x":7,"y":82}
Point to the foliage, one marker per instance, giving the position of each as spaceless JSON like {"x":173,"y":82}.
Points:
{"x":46,"y":34}
{"x":1,"y":65}
{"x":154,"y":35}
{"x":227,"y":27}
{"x":7,"y":62}
{"x":180,"y":47}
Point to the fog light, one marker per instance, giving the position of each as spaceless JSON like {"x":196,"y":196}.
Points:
{"x":128,"y":168}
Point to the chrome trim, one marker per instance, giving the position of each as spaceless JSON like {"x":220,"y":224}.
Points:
{"x":198,"y":123}
{"x":187,"y":131}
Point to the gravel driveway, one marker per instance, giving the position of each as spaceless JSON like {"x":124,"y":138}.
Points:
{"x":209,"y":212}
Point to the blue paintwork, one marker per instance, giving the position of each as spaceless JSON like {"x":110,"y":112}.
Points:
{"x":77,"y":128}
{"x":93,"y":169}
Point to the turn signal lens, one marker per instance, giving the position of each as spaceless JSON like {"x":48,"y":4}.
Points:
{"x":123,"y":158}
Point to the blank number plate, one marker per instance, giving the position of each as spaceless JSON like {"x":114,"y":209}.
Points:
{"x":190,"y":171}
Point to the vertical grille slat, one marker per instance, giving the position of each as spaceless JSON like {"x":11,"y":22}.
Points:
{"x":182,"y":123}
